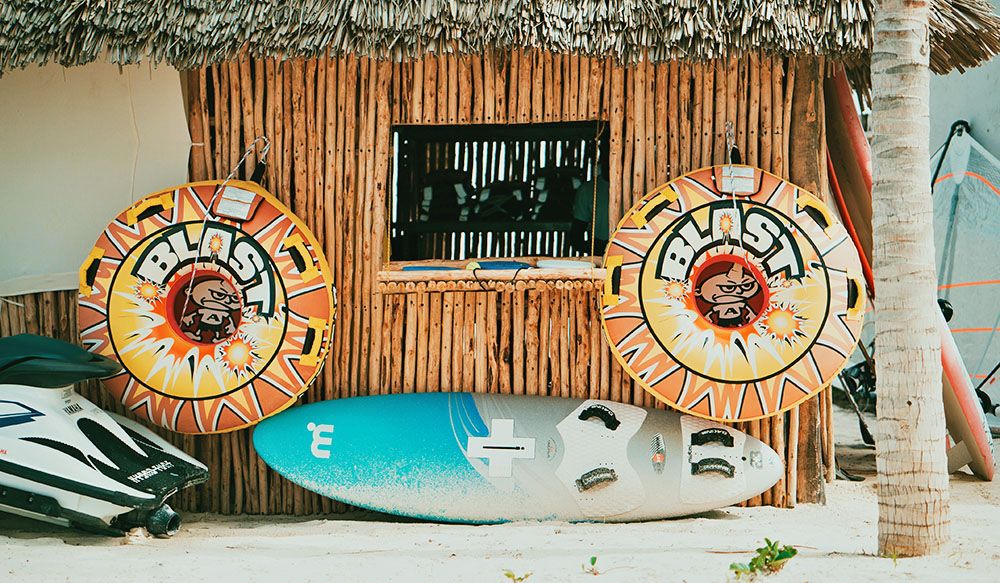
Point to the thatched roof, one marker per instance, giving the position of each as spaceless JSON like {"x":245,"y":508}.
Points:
{"x":191,"y":33}
{"x":963,"y":34}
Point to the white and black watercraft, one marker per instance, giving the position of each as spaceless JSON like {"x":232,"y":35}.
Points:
{"x":64,"y":460}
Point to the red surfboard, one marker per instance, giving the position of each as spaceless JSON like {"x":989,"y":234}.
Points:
{"x":963,"y":414}
{"x":849,"y":163}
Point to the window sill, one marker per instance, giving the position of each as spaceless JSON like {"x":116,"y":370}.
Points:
{"x":454,"y":277}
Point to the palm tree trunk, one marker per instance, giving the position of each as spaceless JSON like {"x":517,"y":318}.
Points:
{"x":910,"y":434}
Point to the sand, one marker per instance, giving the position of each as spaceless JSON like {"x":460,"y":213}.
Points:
{"x":836,"y":541}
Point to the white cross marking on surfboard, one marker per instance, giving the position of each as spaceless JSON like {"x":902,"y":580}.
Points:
{"x":501,"y":448}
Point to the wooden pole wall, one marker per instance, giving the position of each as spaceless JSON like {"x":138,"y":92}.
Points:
{"x":329,"y":122}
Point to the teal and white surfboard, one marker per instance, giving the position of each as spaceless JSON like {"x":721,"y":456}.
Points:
{"x":477,"y":458}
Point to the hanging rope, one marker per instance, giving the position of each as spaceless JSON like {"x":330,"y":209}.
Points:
{"x":595,"y":165}
{"x":482,"y":284}
{"x":728,"y":172}
{"x":218,"y":190}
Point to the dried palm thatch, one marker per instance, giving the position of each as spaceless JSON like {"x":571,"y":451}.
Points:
{"x":963,"y":34}
{"x":192,"y":33}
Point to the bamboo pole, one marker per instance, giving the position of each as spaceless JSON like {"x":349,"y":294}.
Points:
{"x":582,"y":344}
{"x":399,"y":304}
{"x":421,"y":332}
{"x":447,"y":350}
{"x":766,"y":98}
{"x":674,"y":109}
{"x":492,"y":349}
{"x":458,"y":344}
{"x":469,"y":344}
{"x":636,"y":147}
{"x":804,"y":170}
{"x":221,"y":126}
{"x":330,"y":203}
{"x":649,"y":150}
{"x":410,"y":354}
{"x":379,"y":187}
{"x":708,"y":95}
{"x":444,"y":93}
{"x":506,"y":375}
{"x":537,"y":86}
{"x":720,"y":98}
{"x":199,"y":135}
{"x":434,"y":323}
{"x":349,"y":290}
{"x":231,"y":76}
{"x":753,"y":112}
{"x":338,"y":201}
{"x":684,"y":102}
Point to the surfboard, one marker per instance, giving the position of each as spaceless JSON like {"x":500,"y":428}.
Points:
{"x":849,"y":163}
{"x":478,"y":458}
{"x":963,"y":414}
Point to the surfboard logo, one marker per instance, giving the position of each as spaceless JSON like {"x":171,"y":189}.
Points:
{"x":246,"y":262}
{"x":322,"y":437}
{"x":501,"y":448}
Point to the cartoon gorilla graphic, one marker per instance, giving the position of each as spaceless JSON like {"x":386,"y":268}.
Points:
{"x":728,"y":293}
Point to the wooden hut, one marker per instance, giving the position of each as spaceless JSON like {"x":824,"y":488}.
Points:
{"x":343,"y":90}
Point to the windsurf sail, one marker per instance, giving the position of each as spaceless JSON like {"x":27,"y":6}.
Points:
{"x":966,"y":195}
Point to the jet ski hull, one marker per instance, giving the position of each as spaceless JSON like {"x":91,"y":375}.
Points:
{"x":66,"y":461}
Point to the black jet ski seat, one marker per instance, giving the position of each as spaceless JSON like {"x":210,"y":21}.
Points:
{"x":37,"y":361}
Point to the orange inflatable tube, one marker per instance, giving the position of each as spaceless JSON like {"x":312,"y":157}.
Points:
{"x":217,"y":301}
{"x":732,"y":294}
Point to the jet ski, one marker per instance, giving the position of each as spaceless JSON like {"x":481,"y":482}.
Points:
{"x":66,"y":461}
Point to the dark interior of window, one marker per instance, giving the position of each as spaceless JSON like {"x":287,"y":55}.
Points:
{"x":486,"y":191}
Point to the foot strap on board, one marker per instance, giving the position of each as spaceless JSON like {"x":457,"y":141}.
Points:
{"x":603,"y":413}
{"x":712,"y":435}
{"x":713,"y":464}
{"x":595,"y":477}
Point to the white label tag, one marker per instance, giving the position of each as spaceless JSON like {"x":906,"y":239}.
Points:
{"x":737,"y":180}
{"x":235,"y":203}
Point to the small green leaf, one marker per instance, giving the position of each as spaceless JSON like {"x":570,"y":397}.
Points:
{"x":768,"y":559}
{"x":593,"y":561}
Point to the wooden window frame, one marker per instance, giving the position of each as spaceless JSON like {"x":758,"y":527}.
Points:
{"x":393,"y":274}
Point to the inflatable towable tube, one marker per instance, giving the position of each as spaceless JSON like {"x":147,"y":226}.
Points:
{"x":732,"y":294}
{"x":217,"y":302}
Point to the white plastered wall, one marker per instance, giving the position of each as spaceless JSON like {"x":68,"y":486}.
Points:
{"x":77,"y":146}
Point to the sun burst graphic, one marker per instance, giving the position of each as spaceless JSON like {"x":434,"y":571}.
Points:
{"x":215,"y":243}
{"x":150,"y":292}
{"x":782,"y":323}
{"x":726,"y":223}
{"x":675,"y":290}
{"x":239,"y":355}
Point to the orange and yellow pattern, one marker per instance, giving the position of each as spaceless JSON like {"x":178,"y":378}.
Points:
{"x":218,"y":322}
{"x":731,"y":305}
